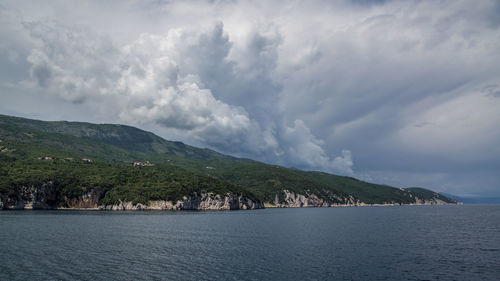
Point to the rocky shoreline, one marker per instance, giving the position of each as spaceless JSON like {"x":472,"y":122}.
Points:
{"x":293,"y":200}
{"x":45,"y":197}
{"x":129,"y":206}
{"x":202,"y":202}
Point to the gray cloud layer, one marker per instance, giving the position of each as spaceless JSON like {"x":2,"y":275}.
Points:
{"x":403,"y":92}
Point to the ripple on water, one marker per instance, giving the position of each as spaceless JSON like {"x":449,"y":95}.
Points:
{"x":398,"y":243}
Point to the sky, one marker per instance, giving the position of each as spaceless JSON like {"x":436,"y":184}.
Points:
{"x":404,"y":93}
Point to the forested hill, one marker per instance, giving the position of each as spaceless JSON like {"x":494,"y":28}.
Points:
{"x":74,"y":164}
{"x":121,"y":136}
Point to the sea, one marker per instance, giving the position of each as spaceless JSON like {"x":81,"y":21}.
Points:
{"x":351,"y":243}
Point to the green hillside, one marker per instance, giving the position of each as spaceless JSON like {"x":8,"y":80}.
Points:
{"x":423,"y":193}
{"x":178,"y":169}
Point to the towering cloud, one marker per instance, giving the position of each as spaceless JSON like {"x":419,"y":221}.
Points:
{"x":169,"y":80}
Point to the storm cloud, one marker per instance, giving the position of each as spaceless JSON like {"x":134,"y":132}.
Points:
{"x":396,"y":92}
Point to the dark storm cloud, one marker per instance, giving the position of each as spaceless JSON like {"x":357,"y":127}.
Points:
{"x":398,"y":92}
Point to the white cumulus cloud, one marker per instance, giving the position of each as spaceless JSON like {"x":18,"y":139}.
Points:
{"x":165,"y":79}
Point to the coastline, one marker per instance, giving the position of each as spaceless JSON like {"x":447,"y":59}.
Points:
{"x":46,"y":198}
{"x":128,"y":206}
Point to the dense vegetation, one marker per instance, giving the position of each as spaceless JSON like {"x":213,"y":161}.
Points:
{"x":118,"y":182}
{"x":179,"y":170}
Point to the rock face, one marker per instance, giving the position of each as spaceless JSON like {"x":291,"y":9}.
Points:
{"x":295,"y":200}
{"x":433,"y":201}
{"x":31,"y":197}
{"x":203,"y":201}
{"x":46,"y":197}
{"x":88,"y":200}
